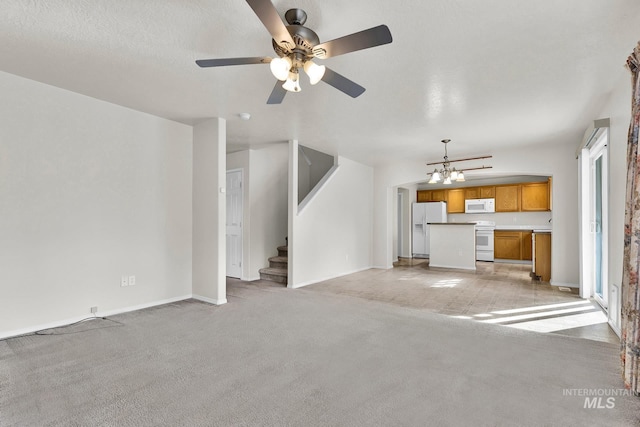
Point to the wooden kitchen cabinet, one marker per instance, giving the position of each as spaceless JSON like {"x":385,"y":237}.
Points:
{"x":542,"y":261}
{"x":507,"y":198}
{"x":507,"y":245}
{"x":438,"y":195}
{"x":423,"y":196}
{"x":431,"y":196}
{"x":487,"y":192}
{"x":512,"y":244}
{"x":455,"y":200}
{"x":472,"y":193}
{"x":535,"y":196}
{"x":525,"y":237}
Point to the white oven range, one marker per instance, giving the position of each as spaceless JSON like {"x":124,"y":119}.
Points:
{"x":484,"y":240}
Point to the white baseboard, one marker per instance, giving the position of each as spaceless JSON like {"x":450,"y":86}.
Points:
{"x":106,"y":313}
{"x":209,"y":300}
{"x":311,"y":282}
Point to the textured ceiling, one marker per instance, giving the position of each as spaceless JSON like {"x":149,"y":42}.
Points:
{"x":487,"y":74}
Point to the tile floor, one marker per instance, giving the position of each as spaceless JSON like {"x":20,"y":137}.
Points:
{"x":498,"y":293}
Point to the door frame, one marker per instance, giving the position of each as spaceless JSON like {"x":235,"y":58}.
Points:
{"x":587,"y":204}
{"x":241,"y":171}
{"x":600,"y":150}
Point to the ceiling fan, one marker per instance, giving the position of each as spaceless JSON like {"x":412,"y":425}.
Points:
{"x":296,"y":46}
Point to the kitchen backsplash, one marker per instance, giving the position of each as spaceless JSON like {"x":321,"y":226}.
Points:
{"x":505,"y":218}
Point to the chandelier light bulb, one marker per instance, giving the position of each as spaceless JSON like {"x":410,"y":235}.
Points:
{"x":447,"y":180}
{"x":460,"y":177}
{"x":314,"y":71}
{"x":436,"y":176}
{"x":292,"y":84}
{"x":280,"y":67}
{"x":454,"y":174}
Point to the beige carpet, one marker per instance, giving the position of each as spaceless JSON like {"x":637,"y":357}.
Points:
{"x":275,"y":356}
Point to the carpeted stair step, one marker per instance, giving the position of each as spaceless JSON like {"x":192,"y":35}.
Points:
{"x":278,"y":275}
{"x":283,"y":251}
{"x":278,"y":262}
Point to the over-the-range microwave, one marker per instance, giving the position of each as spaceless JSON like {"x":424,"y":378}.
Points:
{"x":479,"y":205}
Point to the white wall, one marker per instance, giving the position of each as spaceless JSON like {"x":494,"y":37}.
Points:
{"x":89,"y":192}
{"x":618,"y":109}
{"x":332,"y":235}
{"x":209,"y":211}
{"x":556,"y":159}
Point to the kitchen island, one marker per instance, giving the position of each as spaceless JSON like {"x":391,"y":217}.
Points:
{"x":453,"y":245}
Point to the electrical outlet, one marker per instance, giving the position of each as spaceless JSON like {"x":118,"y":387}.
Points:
{"x":132,"y":280}
{"x":94,"y":310}
{"x":124,"y":281}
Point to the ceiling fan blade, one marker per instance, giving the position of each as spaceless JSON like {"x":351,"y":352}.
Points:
{"x":365,"y":39}
{"x":342,"y":83}
{"x":233,"y":61}
{"x":270,"y":18}
{"x":277,"y":94}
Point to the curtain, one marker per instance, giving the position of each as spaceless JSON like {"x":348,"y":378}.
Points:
{"x":630,"y":342}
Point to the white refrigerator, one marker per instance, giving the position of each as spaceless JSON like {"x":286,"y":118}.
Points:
{"x":422,"y":214}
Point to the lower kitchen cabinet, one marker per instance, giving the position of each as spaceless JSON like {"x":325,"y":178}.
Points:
{"x":526,"y":245}
{"x":506,"y":244}
{"x":542,"y":260}
{"x":515,"y":245}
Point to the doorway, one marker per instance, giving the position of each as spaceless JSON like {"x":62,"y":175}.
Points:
{"x":234,"y":223}
{"x":598,"y":219}
{"x":594,"y":218}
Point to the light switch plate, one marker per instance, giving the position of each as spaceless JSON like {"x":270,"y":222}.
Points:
{"x":132,"y":280}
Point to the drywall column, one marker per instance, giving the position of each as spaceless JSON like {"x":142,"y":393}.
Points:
{"x":293,"y":210}
{"x":209,"y":211}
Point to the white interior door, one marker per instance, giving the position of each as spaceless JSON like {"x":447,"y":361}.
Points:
{"x":234,"y":223}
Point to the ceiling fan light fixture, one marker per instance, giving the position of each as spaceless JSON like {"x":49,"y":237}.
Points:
{"x":314,"y":71}
{"x":293,"y":83}
{"x":280,"y":67}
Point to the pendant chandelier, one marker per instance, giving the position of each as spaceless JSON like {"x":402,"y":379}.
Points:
{"x":449,"y":174}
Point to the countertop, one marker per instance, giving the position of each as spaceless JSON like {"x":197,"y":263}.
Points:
{"x":535,"y":228}
{"x":450,"y":223}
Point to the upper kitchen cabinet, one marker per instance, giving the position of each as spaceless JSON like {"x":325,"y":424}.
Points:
{"x":507,"y":198}
{"x":535,"y":196}
{"x":423,"y":196}
{"x":438,"y":195}
{"x":431,"y":196}
{"x":472,"y":193}
{"x":487,"y":192}
{"x":455,"y":200}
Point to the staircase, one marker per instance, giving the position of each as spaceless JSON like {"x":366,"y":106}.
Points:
{"x":278,"y":267}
